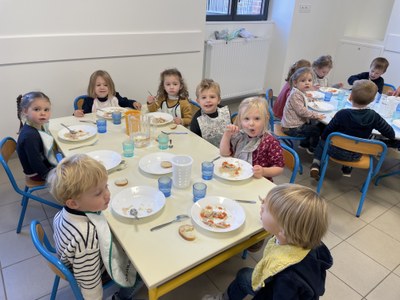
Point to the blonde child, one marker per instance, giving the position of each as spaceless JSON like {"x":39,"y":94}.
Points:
{"x":321,"y":68}
{"x":285,"y":92}
{"x":172,"y":97}
{"x":296,"y":115}
{"x":35,"y":146}
{"x":295,"y":260}
{"x":249,"y":139}
{"x":377,"y":68}
{"x":210,"y":121}
{"x":80,"y":184}
{"x":101,"y":94}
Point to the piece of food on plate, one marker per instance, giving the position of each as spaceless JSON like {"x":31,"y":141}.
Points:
{"x":74,"y":136}
{"x":166,"y":164}
{"x":232,"y":169}
{"x":187,"y":232}
{"x":121,"y":182}
{"x":173,"y":126}
{"x":214,"y":216}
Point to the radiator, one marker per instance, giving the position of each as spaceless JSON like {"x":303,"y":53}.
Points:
{"x":239,"y":66}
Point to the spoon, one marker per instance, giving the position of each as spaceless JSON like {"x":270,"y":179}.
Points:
{"x":170,"y":144}
{"x":71,"y":131}
{"x":178,"y":218}
{"x":133,"y":212}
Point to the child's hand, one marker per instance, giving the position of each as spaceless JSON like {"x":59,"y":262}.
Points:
{"x":151,"y":99}
{"x":257,"y":171}
{"x":78,"y":113}
{"x":231,"y":129}
{"x":177,"y":120}
{"x":137,"y":105}
{"x":321,"y":117}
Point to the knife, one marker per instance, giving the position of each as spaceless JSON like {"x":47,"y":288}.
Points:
{"x":246,"y":201}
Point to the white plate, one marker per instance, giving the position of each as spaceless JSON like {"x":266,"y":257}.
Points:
{"x":110,"y":159}
{"x":146,"y":199}
{"x":106,"y":112}
{"x":151,"y":163}
{"x":236,"y":214}
{"x":246,"y":169}
{"x":321,"y":106}
{"x":84,"y":132}
{"x":315,"y":94}
{"x":396,"y":123}
{"x":334,"y":91}
{"x":154,"y":115}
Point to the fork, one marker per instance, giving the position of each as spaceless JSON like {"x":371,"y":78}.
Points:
{"x":168,"y":133}
{"x":71,"y":131}
{"x":88,"y":145}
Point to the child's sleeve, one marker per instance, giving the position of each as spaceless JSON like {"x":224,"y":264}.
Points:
{"x":194,"y":125}
{"x":186,"y":112}
{"x":155,"y":105}
{"x":353,"y":78}
{"x":124,"y":101}
{"x":384,"y":128}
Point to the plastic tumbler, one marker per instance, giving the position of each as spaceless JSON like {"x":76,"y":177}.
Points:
{"x":207,"y":170}
{"x":181,"y":171}
{"x":101,"y":125}
{"x":128,"y":148}
{"x":199,"y":191}
{"x":116,"y":117}
{"x":165,"y":185}
{"x":328,"y":96}
{"x":163,"y":140}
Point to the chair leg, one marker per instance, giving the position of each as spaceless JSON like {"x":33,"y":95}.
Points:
{"x":25,"y":201}
{"x":364,"y":191}
{"x":386,"y":175}
{"x":322,"y":175}
{"x":244,"y":254}
{"x":55,"y":288}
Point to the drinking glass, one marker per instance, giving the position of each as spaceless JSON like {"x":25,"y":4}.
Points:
{"x":207,"y":170}
{"x":199,"y":191}
{"x":328,"y":96}
{"x":128,"y":148}
{"x":163,"y":140}
{"x":165,"y":185}
{"x":116,"y":117}
{"x":101,"y":125}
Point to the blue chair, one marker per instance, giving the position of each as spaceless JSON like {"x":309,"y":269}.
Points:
{"x":43,"y":245}
{"x":59,"y":156}
{"x":233,"y":117}
{"x":292,"y":161}
{"x":195,"y":106}
{"x":369,"y":150}
{"x":387,"y":87}
{"x":379,"y":178}
{"x":8,"y":146}
{"x":78,"y":102}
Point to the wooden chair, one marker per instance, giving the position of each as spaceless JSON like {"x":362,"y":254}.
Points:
{"x":388,"y":88}
{"x":292,"y":161}
{"x":8,"y":147}
{"x":78,"y":102}
{"x":195,"y":106}
{"x":369,"y":149}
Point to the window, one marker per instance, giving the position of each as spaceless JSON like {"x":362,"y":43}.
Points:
{"x":237,"y":10}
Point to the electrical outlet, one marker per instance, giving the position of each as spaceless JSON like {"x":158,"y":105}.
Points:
{"x":304,"y":8}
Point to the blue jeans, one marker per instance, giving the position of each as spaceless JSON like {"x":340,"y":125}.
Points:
{"x":241,"y":285}
{"x":336,"y":152}
{"x":311,"y":132}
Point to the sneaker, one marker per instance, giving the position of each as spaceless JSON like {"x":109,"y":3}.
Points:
{"x":219,"y":296}
{"x":314,"y":171}
{"x":308,"y":149}
{"x":346,"y":171}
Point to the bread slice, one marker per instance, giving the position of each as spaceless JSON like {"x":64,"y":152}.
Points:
{"x":173,"y":126}
{"x":121,"y":182}
{"x":187,"y":232}
{"x":166,"y":164}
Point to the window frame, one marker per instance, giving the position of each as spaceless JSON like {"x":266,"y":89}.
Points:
{"x":233,"y":17}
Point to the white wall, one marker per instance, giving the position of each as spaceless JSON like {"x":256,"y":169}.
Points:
{"x":54,"y":46}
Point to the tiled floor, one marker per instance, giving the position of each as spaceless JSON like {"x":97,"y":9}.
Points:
{"x":366,"y":250}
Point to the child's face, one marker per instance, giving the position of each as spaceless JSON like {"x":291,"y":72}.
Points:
{"x":252,"y":123}
{"x":375,"y":73}
{"x":38,"y":112}
{"x":94,"y":199}
{"x":101,"y":88}
{"x":322,"y":72}
{"x":304,"y":82}
{"x":172,"y":85}
{"x":268,"y":220}
{"x":208,"y":100}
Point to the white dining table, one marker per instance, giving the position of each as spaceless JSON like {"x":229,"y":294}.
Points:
{"x":163,"y":258}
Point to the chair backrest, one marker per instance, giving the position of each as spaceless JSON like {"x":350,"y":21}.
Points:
{"x":269,"y":95}
{"x":8,"y":146}
{"x":42,"y":244}
{"x":292,"y":161}
{"x":233,"y":117}
{"x":387,"y":87}
{"x":195,"y":106}
{"x":78,"y":102}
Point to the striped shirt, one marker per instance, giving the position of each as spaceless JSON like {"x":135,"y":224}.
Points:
{"x":78,"y":248}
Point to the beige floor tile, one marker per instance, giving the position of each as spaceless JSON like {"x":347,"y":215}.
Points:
{"x":337,"y":289}
{"x":377,"y":245}
{"x":397,"y":271}
{"x":384,"y":195}
{"x":389,"y":222}
{"x":342,"y":223}
{"x":33,"y":275}
{"x":16,"y":168}
{"x":371,"y":210}
{"x":331,"y":240}
{"x":362,"y":274}
{"x":8,"y":195}
{"x":389,"y":289}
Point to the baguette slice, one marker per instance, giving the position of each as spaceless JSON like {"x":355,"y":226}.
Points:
{"x":121,"y":182}
{"x":187,"y":232}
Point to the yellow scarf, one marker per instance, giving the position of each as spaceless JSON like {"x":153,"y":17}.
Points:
{"x":276,"y":258}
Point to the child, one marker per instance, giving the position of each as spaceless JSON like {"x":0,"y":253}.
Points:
{"x":296,"y":115}
{"x":35,"y":145}
{"x":210,"y":121}
{"x":321,"y":67}
{"x":295,"y":260}
{"x":101,"y":93}
{"x":249,"y":140}
{"x":80,"y":184}
{"x":172,"y":97}
{"x":285,"y":92}
{"x":358,"y":121}
{"x":377,"y":68}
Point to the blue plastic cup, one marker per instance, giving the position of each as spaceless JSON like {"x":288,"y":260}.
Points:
{"x":199,"y":191}
{"x":101,"y":125}
{"x":207,"y":170}
{"x":116,"y":117}
{"x":340,"y":96}
{"x":163,"y":140}
{"x":165,"y":185}
{"x":128,"y":148}
{"x":328,"y":96}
